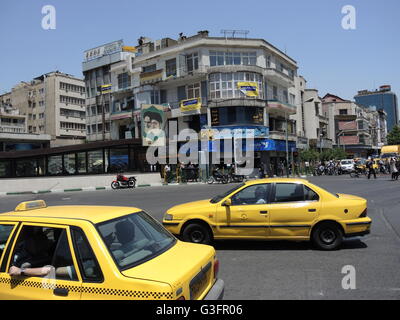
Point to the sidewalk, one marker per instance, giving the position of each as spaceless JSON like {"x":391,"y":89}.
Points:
{"x":15,"y":186}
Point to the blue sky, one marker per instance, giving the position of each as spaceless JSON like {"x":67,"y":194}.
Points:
{"x":330,"y":58}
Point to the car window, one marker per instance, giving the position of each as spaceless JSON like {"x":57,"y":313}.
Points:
{"x":255,"y":194}
{"x":309,"y":194}
{"x":288,"y":192}
{"x":38,"y":246}
{"x":5,"y":231}
{"x":62,"y":259}
{"x":134,"y":239}
{"x":90,"y":269}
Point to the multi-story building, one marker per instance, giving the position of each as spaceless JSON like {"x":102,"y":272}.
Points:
{"x":382,"y":99}
{"x":206,"y":71}
{"x":14,"y":134}
{"x":54,"y":104}
{"x":353,"y":127}
{"x":97,"y":65}
{"x":311,"y":122}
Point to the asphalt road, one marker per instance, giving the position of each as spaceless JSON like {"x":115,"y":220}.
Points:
{"x":281,"y":270}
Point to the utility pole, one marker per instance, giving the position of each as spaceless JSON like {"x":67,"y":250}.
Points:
{"x":287,"y":146}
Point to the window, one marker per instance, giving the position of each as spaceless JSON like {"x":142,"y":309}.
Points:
{"x":289,"y":192}
{"x":225,"y":85}
{"x":88,"y":264}
{"x":193,"y":90}
{"x":54,"y":165}
{"x":256,"y":194}
{"x":40,"y":246}
{"x":124,"y":80}
{"x":150,"y":68}
{"x":5,"y":231}
{"x":192,"y":61}
{"x":62,"y":259}
{"x":342,"y":111}
{"x":220,"y":58}
{"x":138,"y":238}
{"x":170,"y":67}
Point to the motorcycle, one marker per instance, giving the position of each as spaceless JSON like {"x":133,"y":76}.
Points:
{"x":123,"y":182}
{"x":235,"y":178}
{"x":218,"y":177}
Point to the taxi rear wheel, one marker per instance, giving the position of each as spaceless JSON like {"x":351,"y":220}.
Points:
{"x":197,"y":233}
{"x":327,"y":236}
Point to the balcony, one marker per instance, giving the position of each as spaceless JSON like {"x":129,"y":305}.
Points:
{"x":151,"y":77}
{"x":277,"y":107}
{"x":323,"y":143}
{"x":281,"y":135}
{"x":279,"y":77}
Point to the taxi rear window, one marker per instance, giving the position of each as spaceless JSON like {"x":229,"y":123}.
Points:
{"x":134,"y":239}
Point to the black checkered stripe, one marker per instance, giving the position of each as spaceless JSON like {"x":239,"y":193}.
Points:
{"x":153,"y":295}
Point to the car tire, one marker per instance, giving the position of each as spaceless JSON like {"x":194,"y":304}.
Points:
{"x":327,"y":236}
{"x":210,"y":180}
{"x":196,"y":233}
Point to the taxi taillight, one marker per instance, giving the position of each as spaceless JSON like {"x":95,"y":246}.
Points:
{"x":216,"y":268}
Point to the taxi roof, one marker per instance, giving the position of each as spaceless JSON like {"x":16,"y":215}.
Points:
{"x":94,"y":214}
{"x":269,"y":180}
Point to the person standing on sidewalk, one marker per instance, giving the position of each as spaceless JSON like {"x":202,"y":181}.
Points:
{"x":393,"y":168}
{"x":370,"y":167}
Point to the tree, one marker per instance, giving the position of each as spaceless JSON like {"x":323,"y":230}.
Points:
{"x":393,"y":136}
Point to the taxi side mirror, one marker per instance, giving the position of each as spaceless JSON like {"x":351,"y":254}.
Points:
{"x":227,"y":203}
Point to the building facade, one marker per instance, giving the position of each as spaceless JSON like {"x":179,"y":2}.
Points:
{"x":311,"y":122}
{"x":358,"y":130}
{"x":53,"y":104}
{"x":207,"y":74}
{"x":382,"y":99}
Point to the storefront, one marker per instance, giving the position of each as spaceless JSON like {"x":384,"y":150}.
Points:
{"x":91,"y":158}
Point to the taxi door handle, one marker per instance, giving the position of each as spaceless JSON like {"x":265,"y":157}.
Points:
{"x":264,"y":212}
{"x":312,"y":210}
{"x":61,"y":292}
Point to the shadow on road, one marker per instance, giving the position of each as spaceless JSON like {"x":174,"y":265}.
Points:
{"x":347,"y":244}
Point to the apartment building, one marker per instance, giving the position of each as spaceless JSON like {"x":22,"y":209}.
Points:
{"x":14,"y":134}
{"x":205,"y":72}
{"x":311,"y":122}
{"x":353,"y":127}
{"x":54,"y":104}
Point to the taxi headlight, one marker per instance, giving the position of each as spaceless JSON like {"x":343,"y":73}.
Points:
{"x":168,"y":216}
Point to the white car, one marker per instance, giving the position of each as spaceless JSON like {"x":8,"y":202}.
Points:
{"x":347,"y":165}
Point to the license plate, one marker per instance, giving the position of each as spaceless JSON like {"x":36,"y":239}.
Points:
{"x":199,"y":282}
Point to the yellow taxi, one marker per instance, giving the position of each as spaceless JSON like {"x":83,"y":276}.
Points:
{"x":273,"y":209}
{"x":99,"y":252}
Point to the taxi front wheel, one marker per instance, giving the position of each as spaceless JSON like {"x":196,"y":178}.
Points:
{"x":327,"y":236}
{"x":197,"y":233}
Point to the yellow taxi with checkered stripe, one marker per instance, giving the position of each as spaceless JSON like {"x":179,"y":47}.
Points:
{"x":272,"y":209}
{"x":100,"y":252}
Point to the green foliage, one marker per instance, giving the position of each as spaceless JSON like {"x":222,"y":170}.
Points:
{"x":393,"y":136}
{"x":327,"y":154}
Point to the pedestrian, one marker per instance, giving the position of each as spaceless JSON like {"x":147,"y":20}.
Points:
{"x":393,"y":169}
{"x":370,"y":166}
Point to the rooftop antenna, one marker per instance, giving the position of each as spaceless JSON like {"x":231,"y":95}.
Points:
{"x":232,"y":33}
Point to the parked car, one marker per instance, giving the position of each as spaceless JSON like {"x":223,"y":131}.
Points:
{"x":99,"y":252}
{"x":272,"y":209}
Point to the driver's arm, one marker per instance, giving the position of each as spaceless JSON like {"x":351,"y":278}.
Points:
{"x":33,"y":272}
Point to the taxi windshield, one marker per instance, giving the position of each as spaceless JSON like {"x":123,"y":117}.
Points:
{"x":223,"y":195}
{"x":134,"y":239}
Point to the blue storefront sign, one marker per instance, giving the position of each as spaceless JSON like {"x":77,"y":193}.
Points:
{"x":256,"y":145}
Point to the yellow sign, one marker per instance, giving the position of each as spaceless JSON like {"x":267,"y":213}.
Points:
{"x":106,"y":88}
{"x":190,"y":104}
{"x":129,"y":48}
{"x":250,"y":89}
